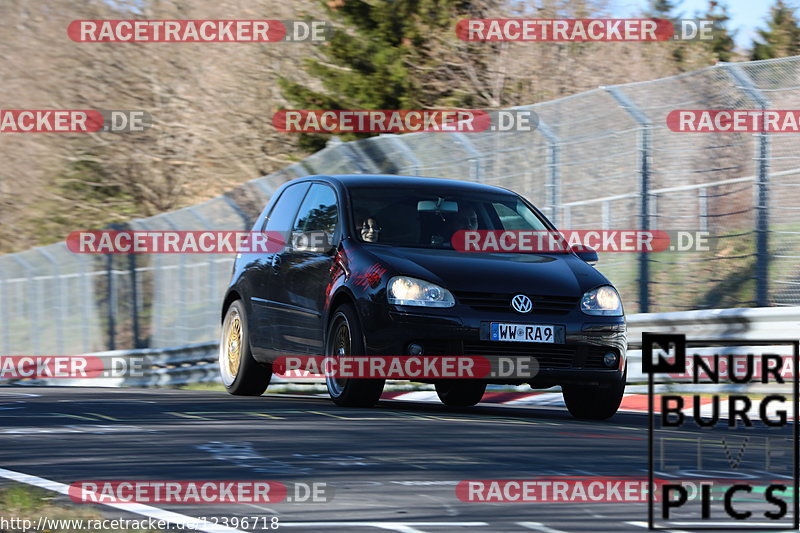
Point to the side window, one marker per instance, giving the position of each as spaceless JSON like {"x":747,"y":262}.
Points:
{"x":520,"y":218}
{"x":318,"y":212}
{"x":282,"y":214}
{"x":510,"y":219}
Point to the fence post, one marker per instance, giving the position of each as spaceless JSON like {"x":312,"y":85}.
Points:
{"x":553,"y":178}
{"x":58,"y":289}
{"x":214,"y":294}
{"x":703,"y":208}
{"x":476,"y":170}
{"x":745,"y":83}
{"x":112,"y":342}
{"x":5,"y":317}
{"x":87,"y":303}
{"x":137,"y":338}
{"x":33,"y":304}
{"x":178,"y":330}
{"x":644,"y":188}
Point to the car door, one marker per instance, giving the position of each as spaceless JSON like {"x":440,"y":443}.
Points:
{"x":261,"y":271}
{"x":303,"y":273}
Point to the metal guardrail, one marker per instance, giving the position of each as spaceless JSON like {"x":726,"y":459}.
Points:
{"x":197,"y":363}
{"x":760,"y":323}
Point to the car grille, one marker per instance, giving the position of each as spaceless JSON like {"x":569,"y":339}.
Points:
{"x":487,"y":301}
{"x":556,"y":356}
{"x":547,"y":355}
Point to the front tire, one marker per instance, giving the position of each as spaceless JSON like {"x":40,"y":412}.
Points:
{"x":345,"y":338}
{"x":460,"y":392}
{"x":240,"y":373}
{"x":592,"y":402}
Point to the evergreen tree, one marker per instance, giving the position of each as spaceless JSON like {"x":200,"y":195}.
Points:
{"x":782,"y":36}
{"x":378,"y":57}
{"x":723,"y":43}
{"x":662,"y":9}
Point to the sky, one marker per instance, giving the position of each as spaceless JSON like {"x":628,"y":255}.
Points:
{"x":746,"y":15}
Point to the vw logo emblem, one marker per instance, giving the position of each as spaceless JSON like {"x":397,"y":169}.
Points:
{"x":521,"y":304}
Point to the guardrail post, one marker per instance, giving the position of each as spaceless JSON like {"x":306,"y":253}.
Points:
{"x":476,"y":169}
{"x":553,"y":184}
{"x":644,"y":187}
{"x":745,"y":83}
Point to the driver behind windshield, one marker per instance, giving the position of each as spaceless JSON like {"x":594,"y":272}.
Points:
{"x":467,"y":220}
{"x":370,"y":230}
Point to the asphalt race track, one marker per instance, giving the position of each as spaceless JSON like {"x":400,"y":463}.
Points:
{"x":393,"y":467}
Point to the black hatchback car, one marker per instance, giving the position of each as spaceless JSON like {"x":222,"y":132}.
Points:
{"x":386,"y":280}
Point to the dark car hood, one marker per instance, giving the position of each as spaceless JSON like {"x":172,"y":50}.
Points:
{"x":551,"y":274}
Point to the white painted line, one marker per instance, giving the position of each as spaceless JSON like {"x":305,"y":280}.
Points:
{"x":647,"y":526}
{"x":542,"y":398}
{"x":728,"y":524}
{"x":538,"y":526}
{"x":136,"y":508}
{"x":400,"y":527}
{"x":19,"y":394}
{"x":417,"y":396}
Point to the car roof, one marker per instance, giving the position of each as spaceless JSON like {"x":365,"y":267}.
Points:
{"x":391,"y":180}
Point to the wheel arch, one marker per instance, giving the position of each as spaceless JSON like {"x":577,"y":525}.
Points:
{"x":342,"y":296}
{"x":230,"y":297}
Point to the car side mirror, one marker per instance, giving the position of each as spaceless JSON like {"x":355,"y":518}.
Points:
{"x":588,"y":254}
{"x":311,"y":241}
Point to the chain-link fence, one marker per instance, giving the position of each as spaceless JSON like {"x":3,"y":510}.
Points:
{"x":603,"y":159}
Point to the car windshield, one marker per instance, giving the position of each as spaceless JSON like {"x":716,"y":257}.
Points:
{"x":429,"y":218}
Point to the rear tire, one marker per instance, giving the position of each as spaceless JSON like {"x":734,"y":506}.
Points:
{"x":240,"y":373}
{"x":460,"y":392}
{"x":345,"y":338}
{"x":592,"y":402}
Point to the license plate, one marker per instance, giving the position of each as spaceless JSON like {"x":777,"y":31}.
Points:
{"x":501,"y":331}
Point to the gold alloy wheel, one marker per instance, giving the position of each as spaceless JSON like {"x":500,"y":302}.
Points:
{"x":342,"y":346}
{"x":233,"y":346}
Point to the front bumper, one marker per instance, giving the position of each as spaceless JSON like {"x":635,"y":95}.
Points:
{"x":576,"y":360}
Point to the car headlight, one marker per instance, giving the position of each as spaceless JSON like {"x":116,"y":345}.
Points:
{"x":403,"y":290}
{"x":602,"y":301}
